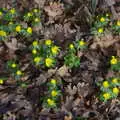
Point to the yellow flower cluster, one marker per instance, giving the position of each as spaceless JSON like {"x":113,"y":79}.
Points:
{"x":110,"y":89}
{"x":54,"y":93}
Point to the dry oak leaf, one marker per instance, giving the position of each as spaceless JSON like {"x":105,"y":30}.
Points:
{"x":104,"y":42}
{"x":54,"y":9}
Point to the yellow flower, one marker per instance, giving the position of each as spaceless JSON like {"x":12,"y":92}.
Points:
{"x":48,"y":42}
{"x":29,"y":14}
{"x":53,"y":81}
{"x":50,"y":102}
{"x":34,"y":51}
{"x":115,"y":90}
{"x":10,"y":23}
{"x":18,"y":28}
{"x":100,"y":30}
{"x":114,"y":60}
{"x":106,"y":96}
{"x":2,"y":33}
{"x":37,"y":59}
{"x":105,"y":84}
{"x":1,"y":81}
{"x":102,"y":19}
{"x":29,"y":30}
{"x":37,"y":20}
{"x":82,"y":43}
{"x":107,"y":14}
{"x":35,"y":10}
{"x":35,"y":43}
{"x":115,"y":80}
{"x":54,"y":93}
{"x":13,"y":65}
{"x":49,"y":62}
{"x":71,"y":46}
{"x":12,"y":11}
{"x":55,"y":49}
{"x":118,"y":23}
{"x":1,"y":13}
{"x":19,"y":72}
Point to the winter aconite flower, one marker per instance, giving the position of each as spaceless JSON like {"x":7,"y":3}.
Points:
{"x":51,"y":102}
{"x":36,"y":19}
{"x":35,"y":10}
{"x":1,"y":81}
{"x":71,"y":46}
{"x":12,"y":11}
{"x":82,"y":43}
{"x":19,"y":73}
{"x":37,"y":59}
{"x":34,"y":51}
{"x":115,"y":90}
{"x":54,"y":93}
{"x":1,"y":13}
{"x":100,"y":30}
{"x":29,"y":14}
{"x":48,"y":42}
{"x":29,"y":30}
{"x":49,"y":62}
{"x":105,"y":84}
{"x":10,"y":23}
{"x":13,"y":65}
{"x":102,"y":19}
{"x":114,"y":60}
{"x":2,"y":33}
{"x":18,"y":28}
{"x":53,"y":82}
{"x":114,"y":80}
{"x":55,"y":50}
{"x":106,"y":96}
{"x":35,"y":43}
{"x":118,"y":23}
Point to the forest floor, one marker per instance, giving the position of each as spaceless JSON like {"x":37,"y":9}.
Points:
{"x":63,"y":22}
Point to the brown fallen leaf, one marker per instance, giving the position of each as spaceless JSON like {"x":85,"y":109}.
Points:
{"x":54,"y":9}
{"x":104,"y":42}
{"x":63,"y":71}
